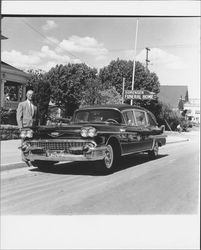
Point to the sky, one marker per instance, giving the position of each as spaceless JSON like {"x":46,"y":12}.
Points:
{"x":43,"y":42}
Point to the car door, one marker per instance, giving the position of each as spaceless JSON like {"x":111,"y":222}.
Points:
{"x":133,"y":139}
{"x":152,"y":125}
{"x":145,"y":140}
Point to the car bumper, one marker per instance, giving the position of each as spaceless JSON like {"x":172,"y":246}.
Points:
{"x":94,"y":155}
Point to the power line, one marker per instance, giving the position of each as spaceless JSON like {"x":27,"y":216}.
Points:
{"x":53,"y":42}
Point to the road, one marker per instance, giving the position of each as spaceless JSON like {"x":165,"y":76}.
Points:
{"x":167,"y":185}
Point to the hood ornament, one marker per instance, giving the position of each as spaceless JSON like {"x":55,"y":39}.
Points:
{"x":55,"y":134}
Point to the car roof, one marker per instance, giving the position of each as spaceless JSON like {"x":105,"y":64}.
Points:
{"x":120,"y":107}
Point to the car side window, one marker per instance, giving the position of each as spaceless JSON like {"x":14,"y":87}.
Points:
{"x":151,"y":120}
{"x":129,"y":118}
{"x":140,"y":118}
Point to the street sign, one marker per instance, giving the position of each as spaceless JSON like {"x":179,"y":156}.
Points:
{"x":140,"y":95}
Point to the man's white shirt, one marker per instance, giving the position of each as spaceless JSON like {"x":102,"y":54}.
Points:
{"x":31,"y":107}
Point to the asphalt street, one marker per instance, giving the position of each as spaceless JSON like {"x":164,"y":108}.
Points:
{"x":167,"y":185}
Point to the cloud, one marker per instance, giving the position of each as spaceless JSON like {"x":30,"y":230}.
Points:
{"x":87,"y":45}
{"x":157,"y":57}
{"x":46,"y":52}
{"x":75,"y":44}
{"x":160,"y":57}
{"x":20,"y":60}
{"x":44,"y":59}
{"x":50,"y":24}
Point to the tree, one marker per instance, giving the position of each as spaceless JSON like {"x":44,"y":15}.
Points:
{"x":168,"y":116}
{"x":35,"y":76}
{"x":113,"y":74}
{"x":41,"y":87}
{"x":181,"y":104}
{"x":109,"y":96}
{"x":96,"y":93}
{"x":68,"y":83}
{"x":91,"y":93}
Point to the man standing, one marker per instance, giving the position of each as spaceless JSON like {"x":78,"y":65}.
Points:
{"x":27,"y":112}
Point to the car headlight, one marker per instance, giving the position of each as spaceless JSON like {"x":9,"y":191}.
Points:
{"x":26,"y":134}
{"x":91,"y":132}
{"x":88,"y":132}
{"x":83,"y":132}
{"x":23,"y":134}
{"x":30,"y":133}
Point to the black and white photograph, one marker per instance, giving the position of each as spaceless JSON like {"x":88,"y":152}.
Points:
{"x":100,"y":124}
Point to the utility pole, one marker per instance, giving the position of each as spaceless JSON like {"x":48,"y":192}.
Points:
{"x":133,"y":78}
{"x":147,"y":58}
{"x":123,"y":91}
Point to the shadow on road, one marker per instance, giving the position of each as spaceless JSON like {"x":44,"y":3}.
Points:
{"x":94,"y":168}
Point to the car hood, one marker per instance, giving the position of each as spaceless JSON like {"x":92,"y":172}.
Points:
{"x":73,"y":130}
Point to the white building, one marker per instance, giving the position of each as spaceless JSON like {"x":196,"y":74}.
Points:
{"x":193,"y":110}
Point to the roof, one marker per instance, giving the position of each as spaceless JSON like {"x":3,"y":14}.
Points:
{"x":171,"y":94}
{"x":120,"y":107}
{"x":9,"y":68}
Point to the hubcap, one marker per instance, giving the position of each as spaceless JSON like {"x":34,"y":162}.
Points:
{"x":108,"y":156}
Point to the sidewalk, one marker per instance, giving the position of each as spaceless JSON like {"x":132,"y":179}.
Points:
{"x":11,"y":155}
{"x":175,"y":137}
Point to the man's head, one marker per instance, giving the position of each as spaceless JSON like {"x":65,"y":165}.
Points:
{"x":29,"y":95}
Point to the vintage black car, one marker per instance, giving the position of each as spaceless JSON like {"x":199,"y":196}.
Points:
{"x":96,"y":133}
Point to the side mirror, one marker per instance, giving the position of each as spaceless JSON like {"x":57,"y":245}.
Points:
{"x":162,"y":128}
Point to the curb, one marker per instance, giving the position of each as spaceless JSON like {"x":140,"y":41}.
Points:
{"x":171,"y":142}
{"x":11,"y":166}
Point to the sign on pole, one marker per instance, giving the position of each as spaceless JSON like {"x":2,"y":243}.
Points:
{"x":139,"y":95}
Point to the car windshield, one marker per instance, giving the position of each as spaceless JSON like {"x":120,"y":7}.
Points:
{"x":97,"y":115}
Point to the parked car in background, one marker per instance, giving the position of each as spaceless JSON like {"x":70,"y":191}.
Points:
{"x":97,"y":133}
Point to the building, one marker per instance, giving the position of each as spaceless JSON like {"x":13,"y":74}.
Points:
{"x":193,"y":110}
{"x":13,"y":86}
{"x":172,"y":95}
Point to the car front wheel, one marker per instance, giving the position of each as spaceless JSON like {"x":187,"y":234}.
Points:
{"x":110,"y":161}
{"x":154,"y":152}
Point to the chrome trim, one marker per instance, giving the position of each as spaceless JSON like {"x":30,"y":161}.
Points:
{"x":141,"y":151}
{"x":158,"y":136}
{"x":154,"y":140}
{"x":94,"y":155}
{"x":57,"y":144}
{"x":61,"y":140}
{"x":120,"y":132}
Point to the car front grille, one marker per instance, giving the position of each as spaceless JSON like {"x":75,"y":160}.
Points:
{"x":57,"y":145}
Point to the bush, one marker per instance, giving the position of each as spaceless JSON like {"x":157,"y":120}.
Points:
{"x":9,"y":132}
{"x":164,"y":114}
{"x":8,"y":116}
